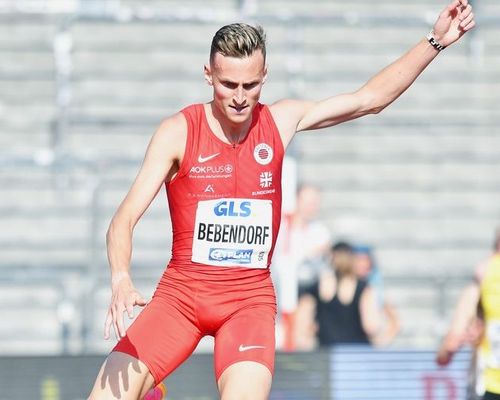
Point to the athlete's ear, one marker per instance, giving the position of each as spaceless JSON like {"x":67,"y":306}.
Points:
{"x":265,"y":75}
{"x":208,"y":74}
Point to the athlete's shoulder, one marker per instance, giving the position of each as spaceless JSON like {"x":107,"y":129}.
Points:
{"x":171,"y":134}
{"x":174,"y":126}
{"x":287,"y":114}
{"x":290,"y":105}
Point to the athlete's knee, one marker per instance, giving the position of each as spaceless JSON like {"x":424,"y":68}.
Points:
{"x":123,"y":377}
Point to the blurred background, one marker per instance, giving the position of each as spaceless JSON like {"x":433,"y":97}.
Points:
{"x":84,"y":84}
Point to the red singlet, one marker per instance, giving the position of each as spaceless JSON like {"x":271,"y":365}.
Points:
{"x":225,"y":206}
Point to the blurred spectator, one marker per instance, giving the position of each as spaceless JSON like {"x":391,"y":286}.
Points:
{"x":299,"y":255}
{"x":367,"y":269}
{"x":339,"y":308}
{"x":476,"y":321}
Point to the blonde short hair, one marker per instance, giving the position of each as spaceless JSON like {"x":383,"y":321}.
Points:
{"x":238,"y":40}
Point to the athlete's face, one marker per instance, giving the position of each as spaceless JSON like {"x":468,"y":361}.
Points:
{"x":237,"y":84}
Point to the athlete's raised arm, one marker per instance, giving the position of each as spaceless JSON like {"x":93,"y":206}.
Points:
{"x":383,"y":88}
{"x":160,"y":163}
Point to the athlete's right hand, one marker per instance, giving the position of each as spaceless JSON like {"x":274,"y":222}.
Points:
{"x":124,"y":297}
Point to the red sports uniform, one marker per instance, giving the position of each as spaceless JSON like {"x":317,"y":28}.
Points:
{"x":225,"y":206}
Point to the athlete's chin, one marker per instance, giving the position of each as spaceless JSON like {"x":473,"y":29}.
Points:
{"x":241,"y":114}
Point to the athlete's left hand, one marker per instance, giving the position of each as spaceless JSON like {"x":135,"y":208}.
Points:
{"x":123,"y":299}
{"x":456,"y":19}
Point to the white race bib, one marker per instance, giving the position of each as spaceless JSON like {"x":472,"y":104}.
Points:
{"x":493,"y":335}
{"x":233,"y":232}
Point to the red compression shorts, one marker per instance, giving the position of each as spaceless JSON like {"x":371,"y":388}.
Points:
{"x":239,"y":313}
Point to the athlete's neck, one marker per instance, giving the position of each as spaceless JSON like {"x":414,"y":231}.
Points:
{"x":226,"y":130}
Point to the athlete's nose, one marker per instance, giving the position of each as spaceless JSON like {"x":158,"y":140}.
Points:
{"x":240,"y":96}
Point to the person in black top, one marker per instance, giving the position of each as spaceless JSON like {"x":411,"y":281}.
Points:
{"x":339,"y":308}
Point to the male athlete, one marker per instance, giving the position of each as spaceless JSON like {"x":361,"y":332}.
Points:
{"x":221,"y":165}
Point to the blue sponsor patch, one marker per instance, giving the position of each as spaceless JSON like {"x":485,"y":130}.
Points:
{"x":230,"y":255}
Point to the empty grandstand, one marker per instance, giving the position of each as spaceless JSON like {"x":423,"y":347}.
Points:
{"x":84,"y":83}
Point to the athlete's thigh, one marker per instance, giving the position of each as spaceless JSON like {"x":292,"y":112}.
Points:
{"x":122,"y":377}
{"x":162,"y":337}
{"x":245,"y":380}
{"x":249,"y":335}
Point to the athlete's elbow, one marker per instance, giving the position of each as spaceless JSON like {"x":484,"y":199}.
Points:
{"x":379,"y":107}
{"x":370,"y":102}
{"x":375,"y":110}
{"x":376,"y":105}
{"x":118,"y":226}
{"x":111,"y":232}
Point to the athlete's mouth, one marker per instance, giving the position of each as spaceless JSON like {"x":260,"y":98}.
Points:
{"x":238,"y":109}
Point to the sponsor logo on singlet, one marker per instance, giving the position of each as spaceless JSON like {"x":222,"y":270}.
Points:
{"x":263,"y":153}
{"x":233,"y":232}
{"x":211,"y":171}
{"x":202,"y":159}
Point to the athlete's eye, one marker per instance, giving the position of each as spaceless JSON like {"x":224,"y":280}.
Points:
{"x":229,"y":85}
{"x":248,"y":86}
